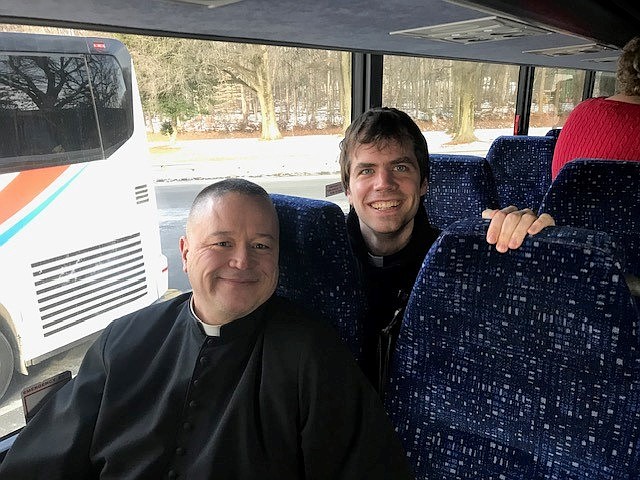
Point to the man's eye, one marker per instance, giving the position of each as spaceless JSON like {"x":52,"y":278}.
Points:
{"x":261,"y":246}
{"x":366,"y":171}
{"x":401,"y":168}
{"x":222,"y":244}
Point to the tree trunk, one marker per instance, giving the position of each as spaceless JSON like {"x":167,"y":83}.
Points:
{"x":541,"y":99}
{"x":270,"y":130}
{"x":345,"y":90}
{"x":174,"y":130}
{"x":456,"y":91}
{"x":466,"y":77}
{"x":244,"y":105}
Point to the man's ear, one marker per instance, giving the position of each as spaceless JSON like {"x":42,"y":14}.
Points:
{"x":424,"y":187}
{"x":184,"y":248}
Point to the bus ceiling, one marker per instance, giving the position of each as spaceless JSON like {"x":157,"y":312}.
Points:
{"x":612,"y":22}
{"x":554,"y":33}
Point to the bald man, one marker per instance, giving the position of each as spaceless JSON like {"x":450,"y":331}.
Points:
{"x":226,"y":382}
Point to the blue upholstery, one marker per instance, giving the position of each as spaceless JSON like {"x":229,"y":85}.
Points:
{"x":601,"y":195}
{"x":522,"y":365}
{"x":460,"y":186}
{"x":554,"y":132}
{"x":521,"y":167}
{"x":317,"y":268}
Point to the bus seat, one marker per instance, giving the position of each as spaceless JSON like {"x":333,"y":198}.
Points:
{"x":601,"y":195}
{"x":522,"y":365}
{"x":317,"y":267}
{"x":554,"y":132}
{"x":521,"y":167}
{"x":460,"y":186}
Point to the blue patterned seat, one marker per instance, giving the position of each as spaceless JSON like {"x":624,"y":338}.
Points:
{"x":317,"y":268}
{"x":460,"y":186}
{"x":522,"y":365}
{"x":521,"y":167}
{"x":601,"y":195}
{"x":554,"y":132}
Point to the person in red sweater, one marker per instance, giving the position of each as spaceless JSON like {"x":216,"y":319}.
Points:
{"x":608,"y":127}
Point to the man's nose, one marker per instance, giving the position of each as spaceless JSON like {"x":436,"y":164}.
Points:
{"x":385,"y":180}
{"x":241,"y":257}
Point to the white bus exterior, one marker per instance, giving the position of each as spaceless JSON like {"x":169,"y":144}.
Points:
{"x":79,"y":236}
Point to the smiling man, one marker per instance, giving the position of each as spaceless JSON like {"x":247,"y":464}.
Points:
{"x":384,"y":166}
{"x":232,"y":270}
{"x":229,"y":382}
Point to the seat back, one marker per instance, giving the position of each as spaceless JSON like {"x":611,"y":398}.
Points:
{"x":460,"y":186}
{"x":521,"y":167}
{"x":600,"y":195}
{"x":554,"y":132}
{"x":522,"y":365}
{"x":317,"y":267}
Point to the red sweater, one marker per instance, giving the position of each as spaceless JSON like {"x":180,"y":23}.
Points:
{"x":599,"y":128}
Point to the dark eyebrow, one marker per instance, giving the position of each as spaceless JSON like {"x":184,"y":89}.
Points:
{"x":395,"y":161}
{"x":363,"y":164}
{"x":403,"y":160}
{"x":267,"y":235}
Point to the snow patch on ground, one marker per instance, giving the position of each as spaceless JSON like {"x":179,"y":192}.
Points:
{"x":289,"y":156}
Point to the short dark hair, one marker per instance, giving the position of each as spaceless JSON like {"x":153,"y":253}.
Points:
{"x":379,"y":126}
{"x":628,"y":73}
{"x":228,"y":185}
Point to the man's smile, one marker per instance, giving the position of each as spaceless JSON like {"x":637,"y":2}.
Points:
{"x":384,"y":205}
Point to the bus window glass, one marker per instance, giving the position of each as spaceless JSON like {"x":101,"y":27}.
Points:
{"x":261,"y":111}
{"x":604,"y":85}
{"x":460,"y":106}
{"x":45,"y":102}
{"x":113,"y":101}
{"x":556,"y":91}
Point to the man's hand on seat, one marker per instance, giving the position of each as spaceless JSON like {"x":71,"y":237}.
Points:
{"x":509,"y":226}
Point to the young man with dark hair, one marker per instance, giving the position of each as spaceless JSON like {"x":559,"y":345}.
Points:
{"x":384,"y":165}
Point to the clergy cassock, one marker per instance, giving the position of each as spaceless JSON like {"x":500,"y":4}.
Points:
{"x":274,"y":396}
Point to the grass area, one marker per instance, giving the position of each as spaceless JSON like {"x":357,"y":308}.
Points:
{"x":159,"y":149}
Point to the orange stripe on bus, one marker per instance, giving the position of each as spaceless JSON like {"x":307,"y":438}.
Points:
{"x":25,"y":187}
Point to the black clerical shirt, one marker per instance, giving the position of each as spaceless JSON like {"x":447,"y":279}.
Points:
{"x":275,"y":396}
{"x":388,"y":281}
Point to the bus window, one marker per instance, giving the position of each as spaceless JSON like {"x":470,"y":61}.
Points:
{"x":112,"y":99}
{"x":46,"y":111}
{"x":49,"y":114}
{"x":236,"y":123}
{"x":79,"y":237}
{"x":460,"y":106}
{"x":556,"y":91}
{"x":604,"y":85}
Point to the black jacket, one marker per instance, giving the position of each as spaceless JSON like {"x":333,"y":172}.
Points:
{"x":387,"y":287}
{"x":276,"y":396}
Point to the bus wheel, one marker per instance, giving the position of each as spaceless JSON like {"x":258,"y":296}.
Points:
{"x":6,"y":364}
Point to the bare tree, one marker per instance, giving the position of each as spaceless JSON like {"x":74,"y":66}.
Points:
{"x":250,"y":65}
{"x":49,"y":86}
{"x":345,"y":89}
{"x":239,"y":86}
{"x":465,"y":78}
{"x":167,"y":70}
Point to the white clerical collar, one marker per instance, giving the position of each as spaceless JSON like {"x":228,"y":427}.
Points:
{"x":376,"y":260}
{"x":210,"y":330}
